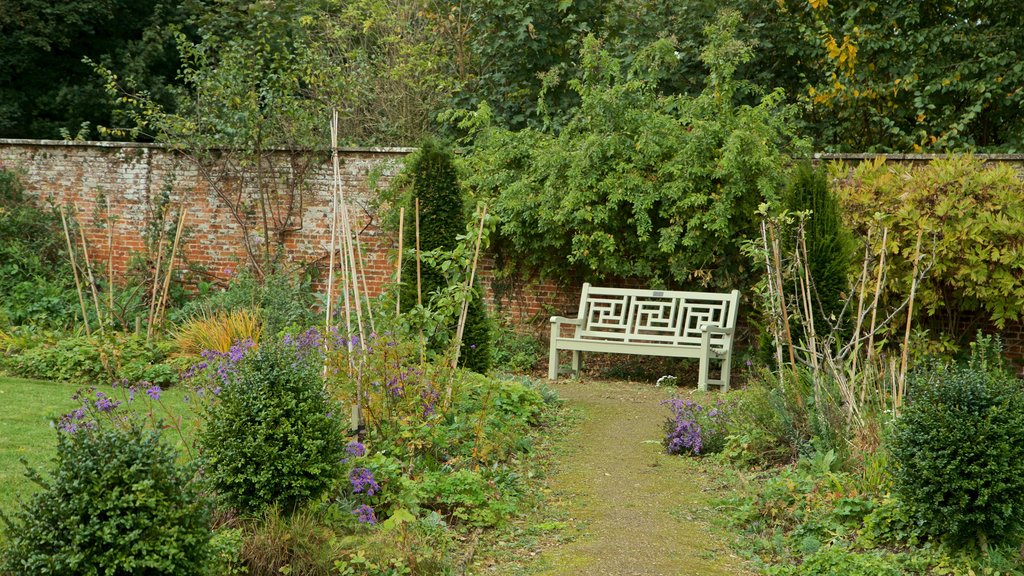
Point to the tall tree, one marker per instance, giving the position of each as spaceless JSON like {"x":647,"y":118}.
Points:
{"x":46,"y":89}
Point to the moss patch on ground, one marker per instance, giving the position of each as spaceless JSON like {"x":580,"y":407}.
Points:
{"x":633,"y":508}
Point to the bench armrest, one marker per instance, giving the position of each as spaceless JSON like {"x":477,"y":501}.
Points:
{"x":564,"y":320}
{"x":712,"y":329}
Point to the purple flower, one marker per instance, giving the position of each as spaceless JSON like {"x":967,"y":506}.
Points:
{"x":355,"y":449}
{"x":105,"y":403}
{"x":153,"y":392}
{"x":362,"y":481}
{"x":365,"y":515}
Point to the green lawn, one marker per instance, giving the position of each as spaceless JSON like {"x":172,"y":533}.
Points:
{"x":29,"y":411}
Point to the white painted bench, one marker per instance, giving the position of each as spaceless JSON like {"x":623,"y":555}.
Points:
{"x":652,"y":323}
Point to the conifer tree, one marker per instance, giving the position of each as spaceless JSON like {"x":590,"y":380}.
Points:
{"x":442,"y":219}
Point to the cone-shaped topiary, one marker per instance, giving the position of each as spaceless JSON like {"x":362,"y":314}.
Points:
{"x":829,"y":246}
{"x":442,"y":220}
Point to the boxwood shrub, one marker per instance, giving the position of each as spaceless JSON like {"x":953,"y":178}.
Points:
{"x":958,"y":449}
{"x":117,"y":503}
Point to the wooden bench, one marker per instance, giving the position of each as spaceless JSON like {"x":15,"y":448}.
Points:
{"x":652,"y":323}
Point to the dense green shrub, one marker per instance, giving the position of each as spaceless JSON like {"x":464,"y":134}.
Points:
{"x":958,"y":449}
{"x":442,"y":221}
{"x":636,"y":183}
{"x":514,"y":351}
{"x":829,"y":246}
{"x":117,"y":503}
{"x":272,"y":435}
{"x":35,"y":278}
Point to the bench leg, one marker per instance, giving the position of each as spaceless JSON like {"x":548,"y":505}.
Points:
{"x":553,"y":353}
{"x":726,"y":364}
{"x":577,"y":358}
{"x":702,"y":373}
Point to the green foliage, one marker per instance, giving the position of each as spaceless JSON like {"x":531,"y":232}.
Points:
{"x":273,"y":435}
{"x":829,"y":245}
{"x":35,"y":279}
{"x":442,"y":222}
{"x":45,"y":87}
{"x":910,"y":76}
{"x":958,"y":448}
{"x":465,"y":496}
{"x":972,"y":216}
{"x":515,"y":351}
{"x":638,"y":184}
{"x":117,"y":502}
{"x":102,"y":357}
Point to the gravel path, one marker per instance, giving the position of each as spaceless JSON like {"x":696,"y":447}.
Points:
{"x":637,"y":510}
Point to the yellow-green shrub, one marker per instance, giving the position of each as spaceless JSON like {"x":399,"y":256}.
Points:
{"x":217,"y":331}
{"x":972,"y":215}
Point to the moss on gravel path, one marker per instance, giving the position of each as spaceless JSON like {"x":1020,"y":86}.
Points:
{"x":637,"y":510}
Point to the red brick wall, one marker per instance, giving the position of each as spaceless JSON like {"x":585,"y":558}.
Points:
{"x":132,"y":178}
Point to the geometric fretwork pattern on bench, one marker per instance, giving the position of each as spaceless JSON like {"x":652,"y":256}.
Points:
{"x":650,"y":322}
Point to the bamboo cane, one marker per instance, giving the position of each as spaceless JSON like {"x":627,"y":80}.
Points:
{"x":398,"y":271}
{"x":809,"y":302}
{"x":772,"y":298}
{"x":334,"y":227}
{"x":419,"y":283}
{"x":110,"y":263}
{"x":74,"y":270}
{"x":156,"y":282}
{"x":857,"y":323}
{"x":469,"y":287}
{"x":362,"y":276}
{"x":161,"y":306}
{"x":782,"y":296}
{"x":92,"y":279}
{"x":902,"y":388}
{"x":878,"y":291}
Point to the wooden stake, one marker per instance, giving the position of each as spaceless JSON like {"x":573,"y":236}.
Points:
{"x":110,"y":263}
{"x":362,"y":276}
{"x":419,"y":283}
{"x":469,"y":287}
{"x":910,"y":316}
{"x":334,"y":227}
{"x":857,"y":324}
{"x":74,"y":270}
{"x":162,"y":304}
{"x":92,"y":280}
{"x":878,"y":292}
{"x":156,"y":282}
{"x":398,"y":272}
{"x":782,"y":295}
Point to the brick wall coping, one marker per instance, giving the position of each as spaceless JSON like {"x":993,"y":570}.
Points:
{"x":105,"y":144}
{"x":914,"y":157}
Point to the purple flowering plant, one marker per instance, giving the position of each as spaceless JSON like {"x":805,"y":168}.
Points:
{"x":123,"y":406}
{"x":696,"y":429}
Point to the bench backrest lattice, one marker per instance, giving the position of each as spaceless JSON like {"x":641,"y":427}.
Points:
{"x":653,"y":323}
{"x":653,"y":316}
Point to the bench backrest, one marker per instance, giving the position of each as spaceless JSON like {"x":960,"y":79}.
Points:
{"x":653,"y":316}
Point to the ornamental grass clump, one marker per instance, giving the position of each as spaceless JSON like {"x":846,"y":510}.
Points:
{"x":117,"y":503}
{"x":958,"y":449}
{"x":694,"y":429}
{"x":272,"y":433}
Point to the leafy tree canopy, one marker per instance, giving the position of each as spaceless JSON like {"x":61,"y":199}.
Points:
{"x":639,"y":184}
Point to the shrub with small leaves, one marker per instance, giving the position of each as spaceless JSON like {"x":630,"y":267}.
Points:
{"x":272,"y":434}
{"x":958,"y":449}
{"x":117,"y":503}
